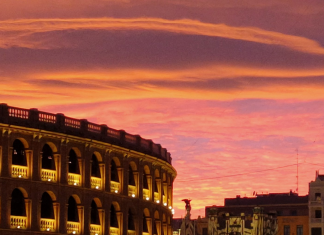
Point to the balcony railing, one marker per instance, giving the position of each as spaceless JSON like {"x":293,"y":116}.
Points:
{"x":131,"y":232}
{"x":114,"y":187}
{"x":95,"y":229}
{"x":73,"y":227}
{"x":316,"y":220}
{"x":47,"y":225}
{"x":74,"y":179}
{"x":156,"y":197}
{"x":114,"y":231}
{"x":316,"y":203}
{"x":18,"y":171}
{"x":146,"y":194}
{"x":131,"y":190}
{"x":95,"y":182}
{"x":19,"y":222}
{"x":48,"y":175}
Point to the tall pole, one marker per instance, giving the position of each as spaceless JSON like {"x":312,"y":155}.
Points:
{"x":297,"y":170}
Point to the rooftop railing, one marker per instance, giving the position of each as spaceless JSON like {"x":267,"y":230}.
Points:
{"x":32,"y":118}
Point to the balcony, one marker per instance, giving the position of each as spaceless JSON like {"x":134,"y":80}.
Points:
{"x":131,"y":190}
{"x":131,"y":232}
{"x":316,"y":220}
{"x":48,"y":175}
{"x":18,"y":222}
{"x":316,"y":203}
{"x":114,"y":231}
{"x":114,"y":187}
{"x":156,"y":197}
{"x":95,"y":229}
{"x":18,"y":171}
{"x":146,"y":194}
{"x":47,"y":225}
{"x":95,"y":182}
{"x":74,"y":179}
{"x":73,"y":227}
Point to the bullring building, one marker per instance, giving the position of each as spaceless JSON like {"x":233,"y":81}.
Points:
{"x":60,"y":175}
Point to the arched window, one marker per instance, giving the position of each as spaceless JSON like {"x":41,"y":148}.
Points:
{"x":18,"y":154}
{"x":131,"y":224}
{"x":47,"y":158}
{"x":74,"y":177}
{"x":17,"y":203}
{"x":145,"y":183}
{"x":94,"y":213}
{"x":145,"y":227}
{"x":131,"y":179}
{"x":73,"y":163}
{"x":18,"y":213}
{"x":95,"y":170}
{"x":72,"y":210}
{"x":47,"y":207}
{"x":113,"y":217}
{"x":114,"y":172}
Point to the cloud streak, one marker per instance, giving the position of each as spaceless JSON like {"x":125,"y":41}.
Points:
{"x":18,"y":32}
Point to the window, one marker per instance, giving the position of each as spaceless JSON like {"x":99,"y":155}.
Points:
{"x":72,"y":210}
{"x":47,"y":158}
{"x":18,"y":154}
{"x":95,"y":170}
{"x":299,"y":229}
{"x":287,"y":230}
{"x":293,"y":212}
{"x":316,"y":231}
{"x":113,"y":217}
{"x":94,"y":219}
{"x":318,"y":214}
{"x":205,"y":231}
{"x":317,"y":196}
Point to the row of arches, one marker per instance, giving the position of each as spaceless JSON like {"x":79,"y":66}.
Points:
{"x":149,"y":224}
{"x":154,"y":185}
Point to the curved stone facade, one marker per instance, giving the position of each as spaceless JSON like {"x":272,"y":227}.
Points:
{"x":61,"y":175}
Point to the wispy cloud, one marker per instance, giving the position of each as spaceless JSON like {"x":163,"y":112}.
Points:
{"x":18,"y":32}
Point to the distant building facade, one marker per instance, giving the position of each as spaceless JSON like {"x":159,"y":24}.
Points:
{"x":316,"y":207}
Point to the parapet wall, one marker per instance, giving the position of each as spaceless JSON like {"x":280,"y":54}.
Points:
{"x":33,"y":118}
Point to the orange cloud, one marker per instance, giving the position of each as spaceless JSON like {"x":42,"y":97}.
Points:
{"x":17,"y":32}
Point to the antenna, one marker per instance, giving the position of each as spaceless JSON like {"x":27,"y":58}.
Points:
{"x":297,"y":170}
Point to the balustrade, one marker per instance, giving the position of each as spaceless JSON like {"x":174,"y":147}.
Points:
{"x":95,"y":182}
{"x":18,"y":113}
{"x":131,"y":232}
{"x":47,"y":225}
{"x":95,"y":229}
{"x":114,"y":231}
{"x":73,"y":227}
{"x":131,"y":190}
{"x":114,"y":187}
{"x":74,"y":179}
{"x":18,"y":171}
{"x":47,"y":117}
{"x":48,"y":175}
{"x":316,"y":220}
{"x":19,"y":222}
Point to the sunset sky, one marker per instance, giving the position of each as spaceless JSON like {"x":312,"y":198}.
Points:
{"x":232,"y":88}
